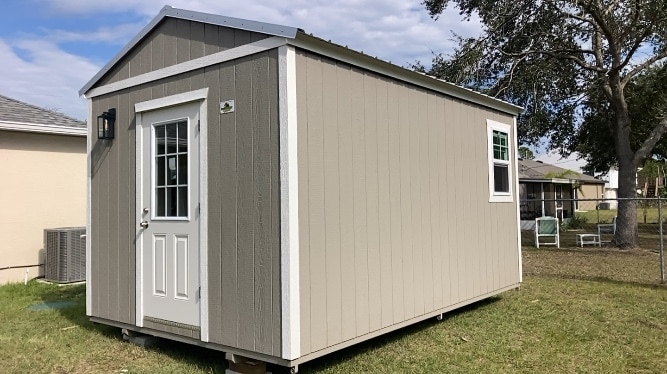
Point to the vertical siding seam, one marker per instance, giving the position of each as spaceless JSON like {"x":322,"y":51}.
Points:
{"x":324,"y":201}
{"x":400,"y":190}
{"x":236,"y":191}
{"x":340,"y":227}
{"x":365,"y":149}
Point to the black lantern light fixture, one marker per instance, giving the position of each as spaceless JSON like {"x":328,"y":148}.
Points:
{"x":105,"y":124}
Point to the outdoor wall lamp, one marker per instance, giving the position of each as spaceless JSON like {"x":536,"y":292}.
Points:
{"x":105,"y":124}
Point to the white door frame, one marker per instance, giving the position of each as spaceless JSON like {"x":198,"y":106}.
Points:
{"x":187,"y":97}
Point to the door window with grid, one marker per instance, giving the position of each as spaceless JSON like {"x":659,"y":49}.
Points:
{"x":171,"y":170}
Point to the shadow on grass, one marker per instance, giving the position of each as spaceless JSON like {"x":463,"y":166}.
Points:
{"x":592,"y":278}
{"x":204,"y":359}
{"x":349,"y":353}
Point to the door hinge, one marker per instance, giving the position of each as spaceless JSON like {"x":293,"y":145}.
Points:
{"x":198,"y":125}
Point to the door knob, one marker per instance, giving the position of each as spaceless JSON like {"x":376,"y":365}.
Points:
{"x":144,"y":224}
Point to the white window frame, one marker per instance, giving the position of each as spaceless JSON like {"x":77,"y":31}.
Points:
{"x":495,"y":196}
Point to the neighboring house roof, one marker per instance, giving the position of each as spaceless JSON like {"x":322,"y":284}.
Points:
{"x":16,"y":115}
{"x":297,"y":37}
{"x":538,"y":171}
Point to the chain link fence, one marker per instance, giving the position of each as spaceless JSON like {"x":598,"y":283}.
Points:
{"x":592,"y":223}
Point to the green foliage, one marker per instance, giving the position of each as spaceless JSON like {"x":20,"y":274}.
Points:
{"x":578,"y":221}
{"x":646,"y":102}
{"x":525,"y":153}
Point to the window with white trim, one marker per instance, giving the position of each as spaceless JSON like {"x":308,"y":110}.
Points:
{"x":500,"y":165}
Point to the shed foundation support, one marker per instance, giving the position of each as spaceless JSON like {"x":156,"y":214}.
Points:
{"x":243,"y":365}
{"x":142,"y":340}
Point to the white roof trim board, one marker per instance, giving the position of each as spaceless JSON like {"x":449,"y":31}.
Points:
{"x":300,"y":39}
{"x":44,"y":129}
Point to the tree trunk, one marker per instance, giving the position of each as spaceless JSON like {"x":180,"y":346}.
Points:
{"x":626,"y":236}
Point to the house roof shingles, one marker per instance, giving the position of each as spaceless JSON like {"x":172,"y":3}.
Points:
{"x":536,"y":170}
{"x":19,"y":116}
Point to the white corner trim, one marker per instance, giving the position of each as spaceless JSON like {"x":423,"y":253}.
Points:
{"x":203,"y":222}
{"x":515,"y":155}
{"x":139,"y":259}
{"x":492,"y":125}
{"x":89,"y":203}
{"x":46,"y":129}
{"x":289,"y":205}
{"x":167,"y":101}
{"x":198,"y":63}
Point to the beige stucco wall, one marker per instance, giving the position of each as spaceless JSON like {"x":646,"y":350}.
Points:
{"x":43,"y":186}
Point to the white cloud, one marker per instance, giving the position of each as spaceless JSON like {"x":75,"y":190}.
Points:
{"x":40,"y":73}
{"x":118,"y":34}
{"x":393,"y":30}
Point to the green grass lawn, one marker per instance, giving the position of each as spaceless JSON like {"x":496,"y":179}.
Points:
{"x":649,"y":214}
{"x":598,"y":311}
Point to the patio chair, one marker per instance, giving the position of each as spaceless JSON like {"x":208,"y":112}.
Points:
{"x":547,"y":227}
{"x":607,"y":228}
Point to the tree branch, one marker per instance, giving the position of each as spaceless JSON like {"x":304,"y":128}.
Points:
{"x":635,"y":46}
{"x":650,"y":142}
{"x":561,"y":54}
{"x":637,"y":69}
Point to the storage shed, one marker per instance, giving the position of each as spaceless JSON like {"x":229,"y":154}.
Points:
{"x":275,"y":196}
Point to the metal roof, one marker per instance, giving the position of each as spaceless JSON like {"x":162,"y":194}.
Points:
{"x":19,"y":116}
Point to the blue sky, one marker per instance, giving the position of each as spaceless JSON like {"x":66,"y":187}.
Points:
{"x":50,"y":48}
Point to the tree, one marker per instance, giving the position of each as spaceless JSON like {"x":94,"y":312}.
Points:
{"x":646,"y":102}
{"x":525,"y":153}
{"x":556,"y":58}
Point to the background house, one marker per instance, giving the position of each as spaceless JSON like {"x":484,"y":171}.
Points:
{"x":43,"y":168}
{"x":575,"y":163}
{"x":549,"y":190}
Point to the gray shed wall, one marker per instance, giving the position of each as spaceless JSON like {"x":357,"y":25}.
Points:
{"x":393,"y":204}
{"x":243,"y":185}
{"x":174,"y":41}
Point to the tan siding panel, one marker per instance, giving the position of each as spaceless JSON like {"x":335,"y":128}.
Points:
{"x":372,"y":210}
{"x":425,"y":174}
{"x":316,"y":187}
{"x":261,"y":158}
{"x":332,"y":247}
{"x":126,"y":203}
{"x":245,"y":193}
{"x":406,"y":176}
{"x":182,"y":40}
{"x":229,"y":209}
{"x":196,"y":40}
{"x":435,"y":122}
{"x":346,"y":190}
{"x":415,"y":203}
{"x":171,"y":34}
{"x":384,"y":205}
{"x":397,"y":271}
{"x":276,"y":314}
{"x":359,"y":203}
{"x":211,"y":39}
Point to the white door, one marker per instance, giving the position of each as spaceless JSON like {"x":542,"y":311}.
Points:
{"x":169,"y":217}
